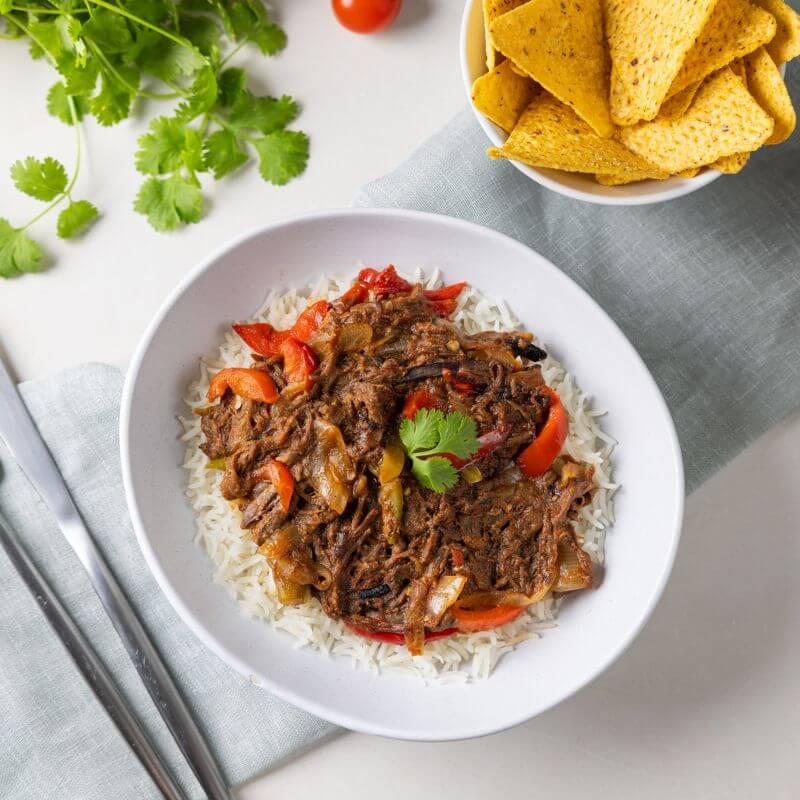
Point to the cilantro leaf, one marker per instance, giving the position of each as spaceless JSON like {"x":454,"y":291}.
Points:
{"x":282,"y":155}
{"x":18,"y":252}
{"x":170,"y":61}
{"x":245,"y":18}
{"x":264,"y":114}
{"x":169,"y":203}
{"x":421,"y":432}
{"x":193,"y":152}
{"x":80,"y":76}
{"x":202,"y":31}
{"x":58,"y":104}
{"x":44,"y":180}
{"x":108,"y":30}
{"x":436,"y":474}
{"x":458,"y":435}
{"x":151,"y":10}
{"x":231,"y":82}
{"x":50,"y":36}
{"x":75,"y":219}
{"x":202,"y":95}
{"x":113,"y":102}
{"x":270,"y":39}
{"x":161,"y":149}
{"x":222,"y":153}
{"x":431,"y":436}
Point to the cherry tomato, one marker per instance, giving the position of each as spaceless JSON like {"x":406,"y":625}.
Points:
{"x":366,"y":16}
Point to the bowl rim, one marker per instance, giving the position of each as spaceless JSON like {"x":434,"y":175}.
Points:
{"x":208,"y":639}
{"x":605,"y":195}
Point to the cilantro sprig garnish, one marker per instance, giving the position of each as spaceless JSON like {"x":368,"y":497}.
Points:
{"x":113,"y":57}
{"x":428,"y":436}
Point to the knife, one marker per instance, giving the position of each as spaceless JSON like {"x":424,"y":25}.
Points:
{"x":24,"y":441}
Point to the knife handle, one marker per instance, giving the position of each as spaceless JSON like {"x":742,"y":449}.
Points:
{"x":91,"y":667}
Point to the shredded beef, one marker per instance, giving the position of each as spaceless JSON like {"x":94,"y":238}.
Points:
{"x":505,"y":532}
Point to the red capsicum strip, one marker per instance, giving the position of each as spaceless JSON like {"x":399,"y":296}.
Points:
{"x":537,"y":457}
{"x":445,"y":292}
{"x":278,"y":474}
{"x":299,"y":361}
{"x":488,"y":443}
{"x":253,"y":384}
{"x":261,"y":338}
{"x":442,"y":308}
{"x":310,"y":319}
{"x":359,"y":291}
{"x":471,"y":620}
{"x":462,"y":387}
{"x":419,"y":398}
{"x":398,"y":638}
{"x":388,"y":282}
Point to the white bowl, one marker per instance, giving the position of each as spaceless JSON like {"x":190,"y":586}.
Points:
{"x":593,"y":628}
{"x":571,"y":184}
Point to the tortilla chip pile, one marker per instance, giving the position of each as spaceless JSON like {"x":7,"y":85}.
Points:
{"x":631,"y":90}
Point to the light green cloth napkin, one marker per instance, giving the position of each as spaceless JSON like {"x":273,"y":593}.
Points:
{"x":707,"y":286}
{"x":56,"y":743}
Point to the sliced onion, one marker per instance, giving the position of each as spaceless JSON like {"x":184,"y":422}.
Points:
{"x":574,"y":566}
{"x":490,"y":599}
{"x":323,"y":578}
{"x":442,"y":596}
{"x":330,"y":468}
{"x":280,"y":543}
{"x":289,"y":592}
{"x":502,"y":354}
{"x":355,"y":336}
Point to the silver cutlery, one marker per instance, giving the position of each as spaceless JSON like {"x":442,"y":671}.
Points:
{"x":29,"y":450}
{"x":90,"y":666}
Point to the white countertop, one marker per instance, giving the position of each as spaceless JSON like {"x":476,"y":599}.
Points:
{"x":705,"y":703}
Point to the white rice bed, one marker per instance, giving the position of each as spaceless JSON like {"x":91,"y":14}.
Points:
{"x":246,"y":574}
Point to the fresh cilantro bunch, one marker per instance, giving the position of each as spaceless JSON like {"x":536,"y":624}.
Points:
{"x":430,"y":435}
{"x":112,"y":56}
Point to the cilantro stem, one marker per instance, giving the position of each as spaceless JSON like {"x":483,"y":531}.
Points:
{"x":71,"y":185}
{"x":232,"y":128}
{"x":233,"y":52}
{"x":73,"y":113}
{"x":129,"y":86}
{"x":42,"y":10}
{"x":144,"y":23}
{"x":201,"y":131}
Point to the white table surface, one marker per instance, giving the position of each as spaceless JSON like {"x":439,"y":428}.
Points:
{"x":706,"y":704}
